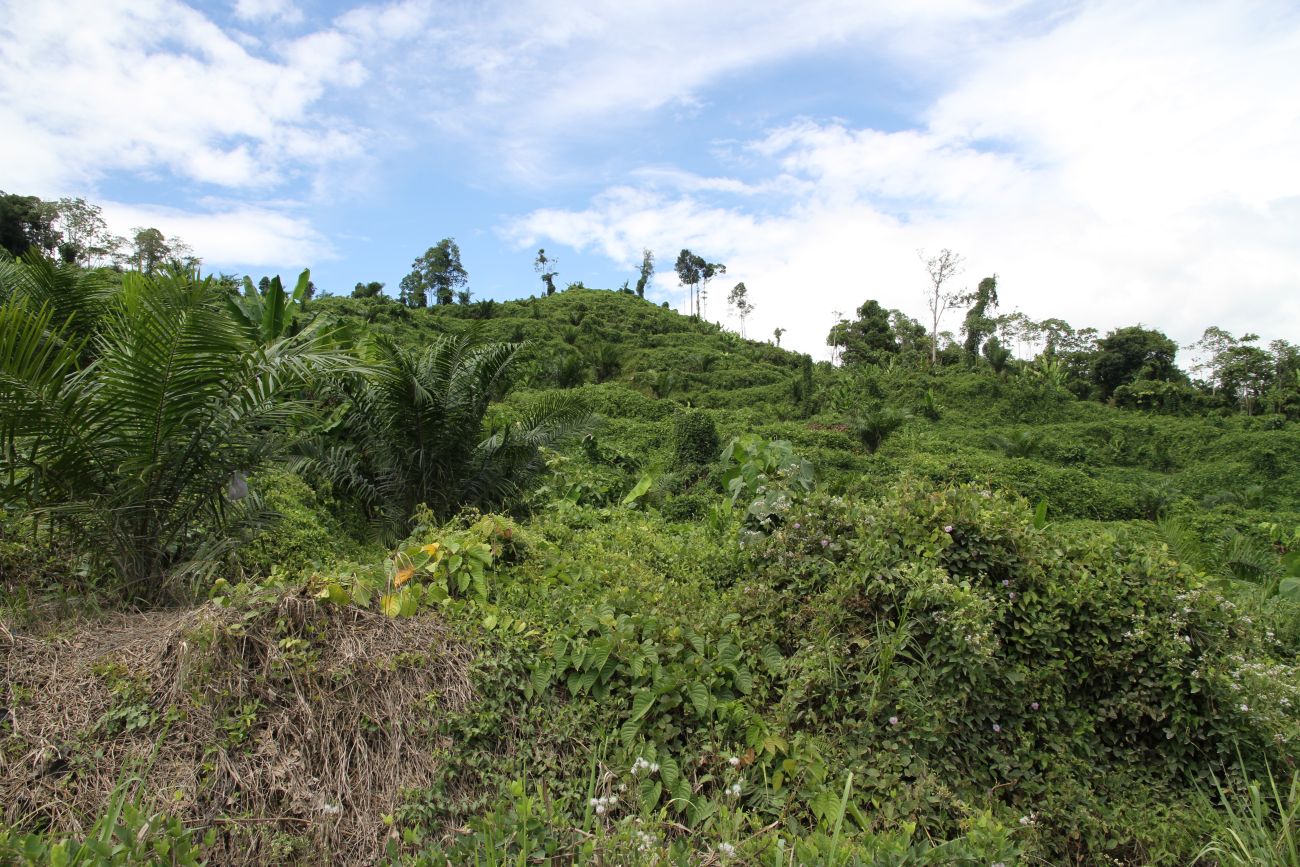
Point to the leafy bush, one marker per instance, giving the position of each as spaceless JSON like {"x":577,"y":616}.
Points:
{"x":125,"y":834}
{"x":1013,"y":633}
{"x":305,"y":528}
{"x":695,"y":439}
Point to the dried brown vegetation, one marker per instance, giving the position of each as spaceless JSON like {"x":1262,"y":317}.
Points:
{"x":288,"y":726}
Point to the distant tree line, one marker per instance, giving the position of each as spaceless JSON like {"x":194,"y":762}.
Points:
{"x":74,"y":231}
{"x":1131,"y":366}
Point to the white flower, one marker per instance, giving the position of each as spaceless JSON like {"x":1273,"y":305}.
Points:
{"x":734,"y":761}
{"x":1245,"y":707}
{"x":600,"y":809}
{"x":726,"y":850}
{"x":734,"y":790}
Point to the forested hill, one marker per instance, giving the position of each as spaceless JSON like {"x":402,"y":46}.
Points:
{"x":588,"y":336}
{"x":1038,"y":428}
{"x":579,"y":579}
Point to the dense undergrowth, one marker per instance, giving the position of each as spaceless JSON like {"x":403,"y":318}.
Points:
{"x":755,"y":611}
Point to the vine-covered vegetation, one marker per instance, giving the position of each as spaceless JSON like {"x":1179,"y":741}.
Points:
{"x":577,"y":579}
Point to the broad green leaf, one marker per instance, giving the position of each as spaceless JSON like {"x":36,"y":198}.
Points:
{"x":639,"y":490}
{"x":772,"y":659}
{"x":627,"y":733}
{"x":651,"y":791}
{"x":1040,"y":514}
{"x":599,"y":655}
{"x":390,"y":604}
{"x":641,"y":703}
{"x":669,"y":772}
{"x":700,"y":698}
{"x":542,"y":676}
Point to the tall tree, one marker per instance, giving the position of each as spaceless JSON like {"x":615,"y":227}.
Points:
{"x":546,"y":267}
{"x":776,"y":333}
{"x":739,"y":301}
{"x":438,"y":273}
{"x":26,"y":221}
{"x":373,"y":289}
{"x":411,"y":292}
{"x":695,"y":272}
{"x":149,"y":249}
{"x":688,"y":275}
{"x":869,"y":339}
{"x":1235,"y":369}
{"x":1128,"y":354}
{"x":835,"y":338}
{"x":708,"y":270}
{"x":911,"y":336}
{"x":1055,"y":334}
{"x":978,"y":323}
{"x":647,"y":271}
{"x":86,"y":239}
{"x":939,"y":297}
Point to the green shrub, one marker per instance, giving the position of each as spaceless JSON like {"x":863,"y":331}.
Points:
{"x":695,"y":438}
{"x":305,"y":530}
{"x":971,"y":642}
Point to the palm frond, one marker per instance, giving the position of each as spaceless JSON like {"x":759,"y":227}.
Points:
{"x":133,"y":450}
{"x":413,"y":433}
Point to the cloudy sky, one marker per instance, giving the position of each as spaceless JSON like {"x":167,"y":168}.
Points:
{"x":1112,"y":162}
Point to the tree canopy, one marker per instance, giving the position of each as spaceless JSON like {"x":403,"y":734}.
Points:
{"x":437,"y":273}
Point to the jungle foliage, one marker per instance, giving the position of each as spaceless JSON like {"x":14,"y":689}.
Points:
{"x":696,"y":598}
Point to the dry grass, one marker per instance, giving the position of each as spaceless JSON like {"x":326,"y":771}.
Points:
{"x":345,"y":703}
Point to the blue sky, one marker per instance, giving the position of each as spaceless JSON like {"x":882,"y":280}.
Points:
{"x":1112,"y":162}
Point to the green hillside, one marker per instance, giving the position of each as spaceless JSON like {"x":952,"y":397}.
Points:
{"x":578,"y":579}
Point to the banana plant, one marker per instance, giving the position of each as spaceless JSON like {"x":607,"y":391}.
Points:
{"x":269,"y":317}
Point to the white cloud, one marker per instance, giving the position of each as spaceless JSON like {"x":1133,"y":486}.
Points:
{"x":230,"y":235}
{"x":89,"y":87}
{"x":1128,"y":163}
{"x":530,"y":76}
{"x":268,"y":10}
